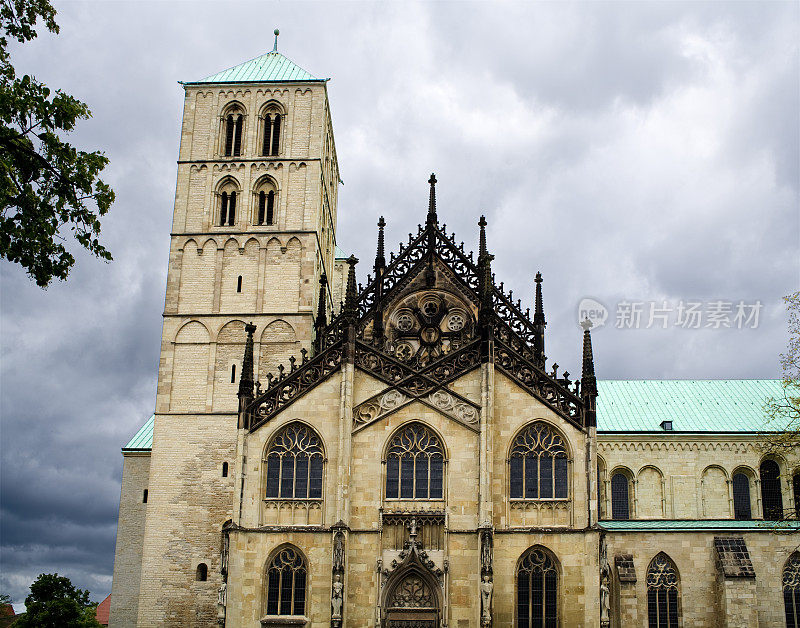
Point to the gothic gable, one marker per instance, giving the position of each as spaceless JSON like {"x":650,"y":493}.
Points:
{"x":429,"y":316}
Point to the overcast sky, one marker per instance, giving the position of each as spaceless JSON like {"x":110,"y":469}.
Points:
{"x":634,"y":153}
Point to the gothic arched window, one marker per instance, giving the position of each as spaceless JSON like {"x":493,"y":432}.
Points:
{"x":272,"y":133}
{"x":538,"y":464}
{"x":415,"y":464}
{"x":741,"y":496}
{"x":286,"y":583}
{"x":662,"y":593}
{"x":233,"y":123}
{"x":537,"y":590}
{"x":294,"y":464}
{"x":791,"y":591}
{"x":771,"y":497}
{"x":620,"y":496}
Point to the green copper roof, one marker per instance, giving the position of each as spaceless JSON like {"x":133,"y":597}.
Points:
{"x":340,"y":254}
{"x":673,"y":525}
{"x":270,"y":67}
{"x":710,"y":405}
{"x":143,"y":440}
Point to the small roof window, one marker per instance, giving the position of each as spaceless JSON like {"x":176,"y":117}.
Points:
{"x":666,"y":426}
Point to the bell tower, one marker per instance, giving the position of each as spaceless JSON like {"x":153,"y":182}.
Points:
{"x":253,"y":232}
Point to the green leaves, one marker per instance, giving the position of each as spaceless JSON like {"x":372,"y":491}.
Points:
{"x":55,"y":603}
{"x":48,"y":188}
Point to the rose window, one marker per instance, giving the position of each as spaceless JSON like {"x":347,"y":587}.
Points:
{"x":427,"y":327}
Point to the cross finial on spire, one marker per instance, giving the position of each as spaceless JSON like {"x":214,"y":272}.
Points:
{"x":275,"y":47}
{"x":380,"y":259}
{"x":482,"y":242}
{"x":432,"y":219}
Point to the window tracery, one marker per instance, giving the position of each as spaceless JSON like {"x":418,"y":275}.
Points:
{"x":537,"y":590}
{"x":662,"y":593}
{"x":294,"y":464}
{"x":424,"y":327}
{"x":538,"y":464}
{"x":415,"y":464}
{"x":286,"y":583}
{"x":791,"y":591}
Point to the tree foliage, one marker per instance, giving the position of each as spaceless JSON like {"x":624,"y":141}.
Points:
{"x":55,"y":603}
{"x":47,"y":187}
{"x":784,"y":412}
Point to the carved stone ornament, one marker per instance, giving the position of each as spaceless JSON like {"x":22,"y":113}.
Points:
{"x":451,"y":405}
{"x":378,"y":406}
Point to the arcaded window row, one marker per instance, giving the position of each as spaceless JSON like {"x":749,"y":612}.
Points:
{"x":415,"y":462}
{"x":767,"y":483}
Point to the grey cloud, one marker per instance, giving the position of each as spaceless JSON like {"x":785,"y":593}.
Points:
{"x":628,"y":151}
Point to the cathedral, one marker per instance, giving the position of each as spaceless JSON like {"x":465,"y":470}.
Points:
{"x":402,"y":454}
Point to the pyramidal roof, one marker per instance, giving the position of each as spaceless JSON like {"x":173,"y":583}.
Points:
{"x":269,"y":67}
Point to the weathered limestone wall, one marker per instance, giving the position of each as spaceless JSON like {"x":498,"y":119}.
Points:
{"x":188,"y":502}
{"x":250,"y":555}
{"x":694,"y":557}
{"x":130,"y":532}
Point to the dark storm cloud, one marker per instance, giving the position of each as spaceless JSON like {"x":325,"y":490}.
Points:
{"x":628,"y":151}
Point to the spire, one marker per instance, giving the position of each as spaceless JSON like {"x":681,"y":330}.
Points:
{"x":588,"y":357}
{"x":588,"y":379}
{"x":432,"y":219}
{"x":539,"y":323}
{"x":380,"y":260}
{"x":322,"y":319}
{"x":275,"y":47}
{"x":350,"y":293}
{"x":246,"y":377}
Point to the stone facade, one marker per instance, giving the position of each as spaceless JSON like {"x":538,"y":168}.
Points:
{"x":430,"y":350}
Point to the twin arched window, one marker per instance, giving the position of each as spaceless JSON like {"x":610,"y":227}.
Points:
{"x":233,"y":123}
{"x":266,"y":197}
{"x":272,"y":133}
{"x":537,"y":590}
{"x":294,"y":462}
{"x":662,"y":593}
{"x":415,"y":464}
{"x":287,"y":574}
{"x":538,"y":464}
{"x":228,"y":196}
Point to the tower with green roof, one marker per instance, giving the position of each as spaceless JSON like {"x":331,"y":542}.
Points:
{"x":253,"y":232}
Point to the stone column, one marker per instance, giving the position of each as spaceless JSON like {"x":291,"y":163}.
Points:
{"x":626,"y":610}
